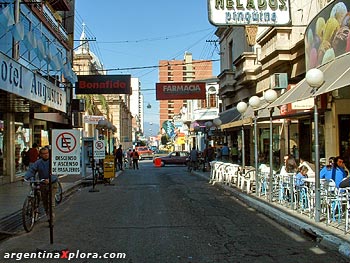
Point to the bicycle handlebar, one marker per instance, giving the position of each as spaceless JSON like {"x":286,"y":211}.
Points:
{"x":34,"y":181}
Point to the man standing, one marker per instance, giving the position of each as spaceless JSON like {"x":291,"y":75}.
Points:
{"x":119,"y":157}
{"x":42,"y":168}
{"x":135,"y":159}
{"x":225,"y":152}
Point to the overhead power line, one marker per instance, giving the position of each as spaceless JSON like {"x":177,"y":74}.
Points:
{"x":156,"y":66}
{"x":155,"y":38}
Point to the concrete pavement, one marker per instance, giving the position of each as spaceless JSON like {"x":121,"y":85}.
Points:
{"x":12,"y":197}
{"x":328,"y":236}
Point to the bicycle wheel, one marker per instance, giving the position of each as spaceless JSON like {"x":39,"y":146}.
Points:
{"x":29,"y":213}
{"x":59,"y":193}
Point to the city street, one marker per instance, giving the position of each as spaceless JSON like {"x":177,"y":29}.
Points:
{"x":164,"y":215}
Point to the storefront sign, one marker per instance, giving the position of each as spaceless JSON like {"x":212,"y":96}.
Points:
{"x":249,"y":12}
{"x":17,"y":79}
{"x":91,"y":119}
{"x":103,"y":84}
{"x":65,"y":152}
{"x":180,"y":90}
{"x":327,"y":35}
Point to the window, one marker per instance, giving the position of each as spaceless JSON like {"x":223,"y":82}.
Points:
{"x":212,"y":101}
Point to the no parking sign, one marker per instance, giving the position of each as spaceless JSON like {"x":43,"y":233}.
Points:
{"x":99,"y":149}
{"x":65,"y":152}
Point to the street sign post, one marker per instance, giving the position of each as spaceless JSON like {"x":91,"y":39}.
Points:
{"x":65,"y":152}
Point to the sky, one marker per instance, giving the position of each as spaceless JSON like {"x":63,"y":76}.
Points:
{"x":132,"y":36}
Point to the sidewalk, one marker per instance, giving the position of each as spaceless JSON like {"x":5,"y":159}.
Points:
{"x":12,"y":196}
{"x":327,"y":236}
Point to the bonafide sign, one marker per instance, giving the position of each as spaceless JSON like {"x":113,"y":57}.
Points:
{"x":103,"y":84}
{"x":249,"y":12}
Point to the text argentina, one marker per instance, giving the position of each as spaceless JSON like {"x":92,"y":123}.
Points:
{"x":181,"y":89}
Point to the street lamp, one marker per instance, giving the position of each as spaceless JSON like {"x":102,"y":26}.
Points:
{"x":217,"y":122}
{"x":270,"y":96}
{"x":254,"y":102}
{"x":314,"y":77}
{"x":242,"y":107}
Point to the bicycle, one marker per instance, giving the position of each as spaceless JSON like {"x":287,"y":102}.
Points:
{"x":30,"y":209}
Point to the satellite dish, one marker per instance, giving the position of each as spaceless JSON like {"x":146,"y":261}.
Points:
{"x":150,"y":123}
{"x":149,"y":106}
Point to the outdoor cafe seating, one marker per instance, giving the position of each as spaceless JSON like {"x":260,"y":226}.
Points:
{"x":335,"y":203}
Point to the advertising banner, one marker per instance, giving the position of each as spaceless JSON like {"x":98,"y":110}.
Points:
{"x":180,"y":91}
{"x":103,"y":84}
{"x":327,"y":35}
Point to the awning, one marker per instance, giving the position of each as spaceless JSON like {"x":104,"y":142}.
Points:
{"x":248,"y":117}
{"x":335,"y":77}
{"x":229,"y":115}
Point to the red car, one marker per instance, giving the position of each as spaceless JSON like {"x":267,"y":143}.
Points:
{"x":144,"y":152}
{"x":177,"y":157}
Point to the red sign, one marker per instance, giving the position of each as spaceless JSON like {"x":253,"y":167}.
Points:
{"x":103,"y":84}
{"x":180,"y":90}
{"x":66,"y":142}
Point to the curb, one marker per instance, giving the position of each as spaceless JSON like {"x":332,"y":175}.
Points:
{"x":320,"y":236}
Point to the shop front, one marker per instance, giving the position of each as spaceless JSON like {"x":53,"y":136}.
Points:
{"x":29,"y":106}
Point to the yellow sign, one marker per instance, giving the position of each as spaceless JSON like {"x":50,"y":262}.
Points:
{"x":108,"y":167}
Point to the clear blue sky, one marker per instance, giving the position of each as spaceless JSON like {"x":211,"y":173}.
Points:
{"x":139,"y":33}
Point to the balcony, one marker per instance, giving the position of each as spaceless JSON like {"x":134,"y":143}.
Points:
{"x":276,"y":47}
{"x":247,"y":66}
{"x":50,"y":20}
{"x":227,"y":81}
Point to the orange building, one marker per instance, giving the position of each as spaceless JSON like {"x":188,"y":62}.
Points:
{"x":185,"y":70}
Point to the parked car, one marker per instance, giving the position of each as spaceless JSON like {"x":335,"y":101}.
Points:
{"x":144,"y":152}
{"x":160,"y":153}
{"x":177,"y":157}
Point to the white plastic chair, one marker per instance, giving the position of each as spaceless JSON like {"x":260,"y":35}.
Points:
{"x":231,"y":173}
{"x":247,"y":180}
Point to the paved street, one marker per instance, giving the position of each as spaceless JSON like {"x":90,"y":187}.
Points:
{"x":165,"y":215}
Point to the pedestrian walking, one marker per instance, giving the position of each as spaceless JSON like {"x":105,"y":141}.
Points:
{"x":225,"y":152}
{"x":42,"y":168}
{"x":135,"y":159}
{"x":25,"y":159}
{"x":128,"y":157}
{"x":119,"y":157}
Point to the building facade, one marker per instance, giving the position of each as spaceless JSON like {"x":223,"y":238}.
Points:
{"x":278,"y":59}
{"x":114,"y":108}
{"x":36,"y":86}
{"x":185,"y":70}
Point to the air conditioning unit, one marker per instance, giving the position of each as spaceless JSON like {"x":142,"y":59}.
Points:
{"x":279,"y":81}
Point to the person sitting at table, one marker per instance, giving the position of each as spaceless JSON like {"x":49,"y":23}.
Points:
{"x":310,"y":167}
{"x":301,"y":175}
{"x":290,"y":165}
{"x":326,"y":171}
{"x":338,"y":172}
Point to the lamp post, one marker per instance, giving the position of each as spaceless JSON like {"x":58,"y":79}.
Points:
{"x":254,"y":102}
{"x":314,"y":77}
{"x":217,"y":122}
{"x":242,"y":107}
{"x":208,"y":125}
{"x":270,"y":96}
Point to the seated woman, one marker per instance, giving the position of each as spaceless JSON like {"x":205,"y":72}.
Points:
{"x":299,"y":178}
